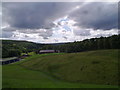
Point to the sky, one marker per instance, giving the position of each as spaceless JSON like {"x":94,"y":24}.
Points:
{"x":57,"y":22}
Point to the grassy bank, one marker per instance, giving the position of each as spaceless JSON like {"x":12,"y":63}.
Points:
{"x":93,"y":69}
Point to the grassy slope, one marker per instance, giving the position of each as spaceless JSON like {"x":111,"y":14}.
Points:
{"x":15,"y":76}
{"x":98,"y":67}
{"x":0,"y":76}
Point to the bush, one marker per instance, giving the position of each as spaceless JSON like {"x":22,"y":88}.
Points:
{"x":13,"y":53}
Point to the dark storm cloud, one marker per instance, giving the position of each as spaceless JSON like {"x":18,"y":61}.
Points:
{"x":7,"y":29}
{"x":34,"y":15}
{"x":41,"y":15}
{"x":46,"y":34}
{"x":37,"y":19}
{"x":119,"y":17}
{"x":82,"y":32}
{"x":97,"y":16}
{"x":6,"y":34}
{"x":103,"y":35}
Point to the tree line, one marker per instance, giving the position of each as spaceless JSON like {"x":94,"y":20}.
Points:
{"x":11,"y":48}
{"x":112,"y":42}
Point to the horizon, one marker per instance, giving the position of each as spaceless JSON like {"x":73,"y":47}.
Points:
{"x":56,"y":42}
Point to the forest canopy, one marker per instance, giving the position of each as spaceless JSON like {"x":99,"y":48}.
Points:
{"x":12,"y":48}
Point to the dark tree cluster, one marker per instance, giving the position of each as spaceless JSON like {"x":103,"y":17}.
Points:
{"x":12,"y":48}
{"x":112,"y":42}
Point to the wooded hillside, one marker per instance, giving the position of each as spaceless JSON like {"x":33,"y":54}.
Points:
{"x":15,"y":48}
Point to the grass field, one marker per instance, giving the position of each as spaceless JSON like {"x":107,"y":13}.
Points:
{"x":93,"y":69}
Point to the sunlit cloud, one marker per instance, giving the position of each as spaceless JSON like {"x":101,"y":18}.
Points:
{"x":58,"y":22}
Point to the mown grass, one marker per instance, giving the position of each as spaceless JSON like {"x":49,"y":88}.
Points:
{"x":15,"y":76}
{"x":94,"y":69}
{"x":100,"y":67}
{"x":0,"y":76}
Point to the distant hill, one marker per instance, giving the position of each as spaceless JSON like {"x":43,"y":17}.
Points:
{"x":111,"y":42}
{"x":15,"y":48}
{"x":92,"y":67}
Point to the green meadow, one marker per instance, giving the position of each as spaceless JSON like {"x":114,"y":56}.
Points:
{"x":91,"y":69}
